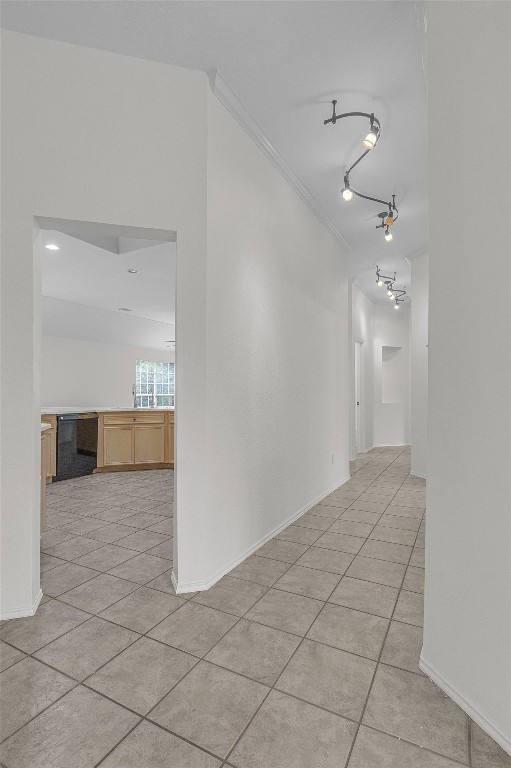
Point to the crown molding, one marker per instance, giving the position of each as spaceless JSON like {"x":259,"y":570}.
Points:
{"x":354,"y":281}
{"x":417,"y":255}
{"x":233,"y":104}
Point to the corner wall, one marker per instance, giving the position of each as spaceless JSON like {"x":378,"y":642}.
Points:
{"x":467,"y":629}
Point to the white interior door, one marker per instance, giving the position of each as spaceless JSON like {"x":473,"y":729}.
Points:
{"x":358,"y":397}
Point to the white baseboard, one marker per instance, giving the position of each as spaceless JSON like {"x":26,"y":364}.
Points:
{"x":391,"y":445}
{"x":19,"y":613}
{"x":366,"y":450}
{"x":467,"y":706}
{"x":173,"y":580}
{"x":418,"y":474}
{"x":200,"y":586}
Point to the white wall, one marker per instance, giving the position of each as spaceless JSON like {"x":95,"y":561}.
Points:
{"x":277,"y":347}
{"x":90,"y":135}
{"x":88,"y":323}
{"x":85,"y":373}
{"x":419,"y":365}
{"x":467,"y":631}
{"x":261,"y":314}
{"x":392,"y":419}
{"x":362,"y":313}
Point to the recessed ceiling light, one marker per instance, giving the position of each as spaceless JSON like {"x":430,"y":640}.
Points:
{"x":52,"y":247}
{"x":132,"y":271}
{"x":124,"y":309}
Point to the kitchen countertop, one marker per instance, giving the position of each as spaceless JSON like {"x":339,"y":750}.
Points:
{"x":77,"y":409}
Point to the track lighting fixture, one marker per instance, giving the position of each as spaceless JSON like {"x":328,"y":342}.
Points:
{"x":397,"y":295}
{"x":388,"y":218}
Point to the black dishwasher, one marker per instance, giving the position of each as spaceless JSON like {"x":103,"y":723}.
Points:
{"x":77,"y":445}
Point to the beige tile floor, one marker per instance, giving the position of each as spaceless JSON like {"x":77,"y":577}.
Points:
{"x":304,"y":656}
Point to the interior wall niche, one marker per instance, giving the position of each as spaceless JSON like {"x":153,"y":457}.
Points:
{"x":393,"y":374}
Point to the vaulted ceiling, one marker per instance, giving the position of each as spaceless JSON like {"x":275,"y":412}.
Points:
{"x":117,"y":290}
{"x":286,"y":61}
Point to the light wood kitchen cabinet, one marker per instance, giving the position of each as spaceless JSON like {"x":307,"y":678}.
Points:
{"x":50,"y":447}
{"x":135,"y":440}
{"x":45,"y":442}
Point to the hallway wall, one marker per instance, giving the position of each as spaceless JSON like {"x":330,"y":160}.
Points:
{"x":277,"y":338}
{"x":363,"y":328}
{"x":467,"y":632}
{"x":419,"y":365}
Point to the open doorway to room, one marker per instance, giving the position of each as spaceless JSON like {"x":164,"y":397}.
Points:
{"x":108,"y":342}
{"x":359,"y":405}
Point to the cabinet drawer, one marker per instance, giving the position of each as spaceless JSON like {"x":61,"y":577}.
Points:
{"x":134,"y":418}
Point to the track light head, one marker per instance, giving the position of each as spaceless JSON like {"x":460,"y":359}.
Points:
{"x":347,"y":193}
{"x":379,"y":283}
{"x":372,"y":137}
{"x":388,"y":236}
{"x":396,"y":305}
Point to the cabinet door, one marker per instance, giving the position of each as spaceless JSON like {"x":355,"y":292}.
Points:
{"x":149,"y":444}
{"x":118,"y":446}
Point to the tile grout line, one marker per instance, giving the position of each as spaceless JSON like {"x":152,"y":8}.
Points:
{"x":348,"y":760}
{"x":302,"y":637}
{"x":238,"y":740}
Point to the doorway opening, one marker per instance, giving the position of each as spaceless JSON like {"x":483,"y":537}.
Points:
{"x":108,"y":349}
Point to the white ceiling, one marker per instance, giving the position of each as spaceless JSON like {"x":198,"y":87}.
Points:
{"x":84,"y":287}
{"x":286,"y":61}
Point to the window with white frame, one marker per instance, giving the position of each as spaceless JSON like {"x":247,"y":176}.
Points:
{"x":154,"y":384}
